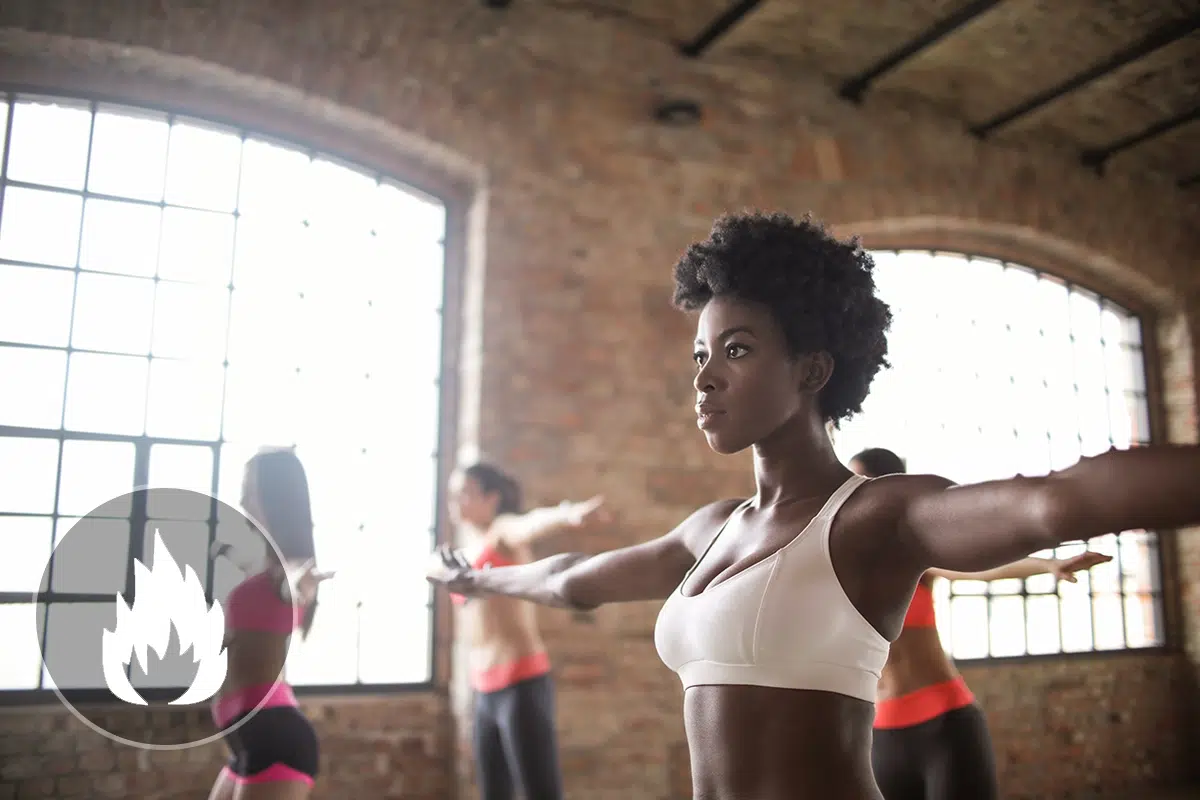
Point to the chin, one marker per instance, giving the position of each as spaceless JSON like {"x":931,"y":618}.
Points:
{"x":724,"y":445}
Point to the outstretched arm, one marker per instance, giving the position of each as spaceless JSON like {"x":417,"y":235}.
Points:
{"x":1061,"y":568}
{"x":517,"y":530}
{"x":986,"y":525}
{"x":647,"y":571}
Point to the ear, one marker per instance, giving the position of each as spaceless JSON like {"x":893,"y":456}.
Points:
{"x":815,"y":371}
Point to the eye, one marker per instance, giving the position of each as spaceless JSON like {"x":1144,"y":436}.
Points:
{"x":699,"y":358}
{"x":735,"y":350}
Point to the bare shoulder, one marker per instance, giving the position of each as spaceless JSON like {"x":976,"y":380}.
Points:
{"x":696,"y":532}
{"x":881,"y":504}
{"x":892,"y":493}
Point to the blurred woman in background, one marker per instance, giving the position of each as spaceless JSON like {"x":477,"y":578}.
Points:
{"x":273,"y":747}
{"x":931,"y":738}
{"x":516,"y":747}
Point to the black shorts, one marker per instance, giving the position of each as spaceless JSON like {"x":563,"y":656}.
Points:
{"x":516,"y":748}
{"x":275,"y":744}
{"x":946,"y":758}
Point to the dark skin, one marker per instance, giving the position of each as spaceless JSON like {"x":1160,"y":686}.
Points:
{"x":755,"y":743}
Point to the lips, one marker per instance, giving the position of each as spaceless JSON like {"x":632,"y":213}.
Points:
{"x":707,"y":415}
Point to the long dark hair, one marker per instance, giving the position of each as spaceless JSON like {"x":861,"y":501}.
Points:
{"x":282,"y":488}
{"x":877,"y":462}
{"x":493,"y":480}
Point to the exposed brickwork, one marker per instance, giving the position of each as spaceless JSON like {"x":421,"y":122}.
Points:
{"x":574,"y":368}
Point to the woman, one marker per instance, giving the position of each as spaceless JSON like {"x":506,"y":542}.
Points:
{"x":273,"y":746}
{"x":780,"y":608}
{"x":931,"y":738}
{"x":516,"y":747}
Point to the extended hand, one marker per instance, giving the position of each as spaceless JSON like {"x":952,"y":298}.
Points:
{"x":305,"y":583}
{"x":1065,"y":569}
{"x":449,"y":568}
{"x":589,"y":511}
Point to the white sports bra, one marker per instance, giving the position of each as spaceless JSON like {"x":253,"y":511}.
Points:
{"x":784,"y":622}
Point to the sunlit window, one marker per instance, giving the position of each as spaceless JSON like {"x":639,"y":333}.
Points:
{"x":175,"y":294}
{"x":999,"y":370}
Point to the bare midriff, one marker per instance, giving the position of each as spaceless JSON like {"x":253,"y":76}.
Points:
{"x":255,"y":658}
{"x":917,"y":659}
{"x":757,"y":743}
{"x":500,"y":631}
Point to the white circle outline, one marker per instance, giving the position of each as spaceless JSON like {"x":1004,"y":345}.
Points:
{"x":219,"y":735}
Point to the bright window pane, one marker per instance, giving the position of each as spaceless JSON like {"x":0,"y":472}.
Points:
{"x":35,"y":305}
{"x":396,"y":641}
{"x":197,"y":246}
{"x":40,"y":227}
{"x":28,"y":468}
{"x":190,"y":322}
{"x":335,"y":274}
{"x":1007,"y":624}
{"x":1143,"y":627}
{"x":970,"y":627}
{"x":202,"y":167}
{"x":41,"y":376}
{"x":330,"y":653}
{"x":94,"y":558}
{"x":129,"y":153}
{"x":113,"y":313}
{"x":340,"y":197}
{"x":1030,"y":374}
{"x":26,"y":543}
{"x":260,"y":405}
{"x":184,"y":467}
{"x":49,"y":143}
{"x":94,"y":474}
{"x":120,"y":237}
{"x":21,"y":666}
{"x":184,"y":400}
{"x":270,"y":257}
{"x":181,"y":466}
{"x":273,"y":181}
{"x":1042,"y":625}
{"x":106,"y":394}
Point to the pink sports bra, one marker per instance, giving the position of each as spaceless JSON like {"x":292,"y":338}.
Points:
{"x":255,"y":605}
{"x":489,"y":556}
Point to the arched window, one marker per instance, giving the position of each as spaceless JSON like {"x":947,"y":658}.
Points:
{"x":175,"y":294}
{"x":1000,"y":370}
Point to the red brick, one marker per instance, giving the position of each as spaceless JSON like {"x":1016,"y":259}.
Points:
{"x":581,"y":364}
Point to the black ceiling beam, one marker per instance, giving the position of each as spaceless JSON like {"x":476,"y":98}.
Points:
{"x":718,"y":27}
{"x":1189,"y":181}
{"x":854,"y":88}
{"x":1156,"y":40}
{"x":1097,"y":158}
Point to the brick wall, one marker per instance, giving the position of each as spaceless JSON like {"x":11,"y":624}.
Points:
{"x":579,"y":204}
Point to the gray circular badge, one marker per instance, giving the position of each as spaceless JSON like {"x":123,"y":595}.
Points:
{"x":136,"y":610}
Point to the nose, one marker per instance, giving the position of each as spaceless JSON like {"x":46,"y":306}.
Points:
{"x":708,"y":379}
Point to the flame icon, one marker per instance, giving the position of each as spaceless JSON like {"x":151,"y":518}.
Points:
{"x":165,"y":596}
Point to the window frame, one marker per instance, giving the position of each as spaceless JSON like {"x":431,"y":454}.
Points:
{"x":315,"y":137}
{"x":980,"y":245}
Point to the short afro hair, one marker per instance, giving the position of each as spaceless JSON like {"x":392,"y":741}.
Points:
{"x":820,"y":289}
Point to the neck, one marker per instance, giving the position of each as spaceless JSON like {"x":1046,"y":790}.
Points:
{"x":796,"y":462}
{"x":469,"y":532}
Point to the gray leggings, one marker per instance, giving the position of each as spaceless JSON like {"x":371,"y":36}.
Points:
{"x":516,"y":748}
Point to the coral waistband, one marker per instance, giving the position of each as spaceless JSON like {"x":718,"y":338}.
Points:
{"x":923,"y":705}
{"x":502,"y":676}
